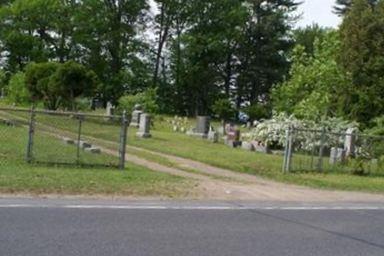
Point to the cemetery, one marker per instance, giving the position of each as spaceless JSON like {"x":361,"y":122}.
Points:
{"x":176,"y":127}
{"x":258,"y":148}
{"x":306,"y":114}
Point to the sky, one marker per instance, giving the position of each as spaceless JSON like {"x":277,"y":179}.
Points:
{"x":318,"y":11}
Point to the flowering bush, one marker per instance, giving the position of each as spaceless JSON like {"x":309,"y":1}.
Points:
{"x":307,"y":135}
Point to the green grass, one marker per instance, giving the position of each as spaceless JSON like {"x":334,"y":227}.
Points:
{"x":268,"y":166}
{"x":18,"y":177}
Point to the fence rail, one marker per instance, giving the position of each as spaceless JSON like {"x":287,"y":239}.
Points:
{"x":63,"y":138}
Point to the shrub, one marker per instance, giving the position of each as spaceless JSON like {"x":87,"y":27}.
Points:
{"x":72,"y":80}
{"x":224,"y":109}
{"x":257,"y":111}
{"x":273,"y":131}
{"x":59,"y":84}
{"x":17,"y":90}
{"x":377,"y":127}
{"x":146,"y":99}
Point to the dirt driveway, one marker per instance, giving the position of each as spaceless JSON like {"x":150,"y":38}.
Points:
{"x":220,"y":184}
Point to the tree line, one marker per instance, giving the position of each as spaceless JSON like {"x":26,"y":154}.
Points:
{"x":199,"y":55}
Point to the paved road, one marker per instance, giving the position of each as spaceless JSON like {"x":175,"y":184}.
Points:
{"x":62,"y":227}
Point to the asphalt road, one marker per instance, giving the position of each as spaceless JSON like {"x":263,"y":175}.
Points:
{"x":52,"y":227}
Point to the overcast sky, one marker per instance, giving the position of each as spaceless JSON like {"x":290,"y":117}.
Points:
{"x":318,"y":11}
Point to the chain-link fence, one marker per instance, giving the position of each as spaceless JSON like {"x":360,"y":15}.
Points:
{"x":62,"y":138}
{"x":13,"y":139}
{"x":320,"y":150}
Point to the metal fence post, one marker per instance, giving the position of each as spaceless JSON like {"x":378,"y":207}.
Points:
{"x":31,"y":132}
{"x":79,"y":139}
{"x":123,"y":140}
{"x":288,"y":151}
{"x":321,"y":153}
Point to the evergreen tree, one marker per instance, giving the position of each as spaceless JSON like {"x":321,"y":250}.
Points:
{"x":263,"y":49}
{"x":343,"y":6}
{"x":362,"y":56}
{"x":307,"y":36}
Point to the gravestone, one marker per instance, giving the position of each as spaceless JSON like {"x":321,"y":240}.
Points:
{"x":84,"y":144}
{"x":68,"y":141}
{"x":350,"y":140}
{"x":136,"y":115}
{"x":145,"y":126}
{"x":96,"y":103}
{"x":337,"y":155}
{"x":261,"y":147}
{"x":247,"y":146}
{"x":341,"y":155}
{"x":203,"y":124}
{"x":221,"y":131}
{"x":202,"y":127}
{"x":232,"y":137}
{"x":93,"y":150}
{"x":333,"y":156}
{"x":110,"y":111}
{"x":213,"y":135}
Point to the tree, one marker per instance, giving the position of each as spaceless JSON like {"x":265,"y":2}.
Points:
{"x":316,"y":84}
{"x":164,"y":23}
{"x":362,"y":56}
{"x":343,"y":6}
{"x":17,"y":91}
{"x":36,"y":30}
{"x":209,"y":51}
{"x":58,"y":84}
{"x":224,"y":109}
{"x":72,"y":80}
{"x":110,"y":46}
{"x":37,"y":78}
{"x":3,"y":78}
{"x":307,"y":36}
{"x":146,"y":99}
{"x":232,"y":47}
{"x":263,"y":49}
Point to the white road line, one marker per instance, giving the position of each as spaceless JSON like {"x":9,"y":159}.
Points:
{"x":203,"y":208}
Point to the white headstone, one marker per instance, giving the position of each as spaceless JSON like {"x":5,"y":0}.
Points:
{"x":350,"y":140}
{"x":110,"y":109}
{"x":145,"y":126}
{"x":213,"y":136}
{"x":135,"y":120}
{"x":333,"y":156}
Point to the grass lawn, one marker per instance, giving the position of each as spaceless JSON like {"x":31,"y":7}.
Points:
{"x":18,"y":177}
{"x":268,"y":166}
